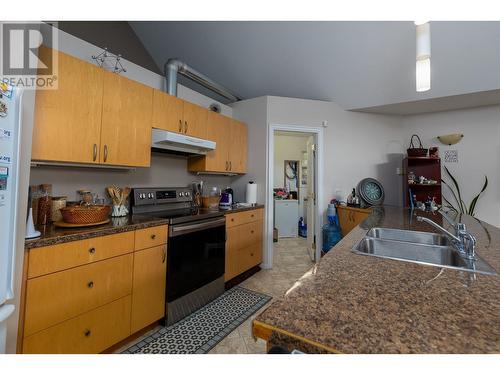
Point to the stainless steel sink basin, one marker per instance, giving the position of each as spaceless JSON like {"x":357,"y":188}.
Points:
{"x":429,"y":252}
{"x":424,"y":238}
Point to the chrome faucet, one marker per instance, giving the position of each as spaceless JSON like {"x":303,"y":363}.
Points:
{"x":463,"y":241}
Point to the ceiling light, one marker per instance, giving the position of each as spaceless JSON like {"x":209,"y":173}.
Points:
{"x":423,"y":64}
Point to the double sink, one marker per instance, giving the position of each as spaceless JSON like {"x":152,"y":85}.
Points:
{"x":418,"y":247}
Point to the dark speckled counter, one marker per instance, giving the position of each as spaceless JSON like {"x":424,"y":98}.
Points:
{"x":52,"y":235}
{"x":351,"y":303}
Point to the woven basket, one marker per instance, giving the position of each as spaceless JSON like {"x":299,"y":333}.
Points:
{"x":85,"y":214}
{"x":416,"y":151}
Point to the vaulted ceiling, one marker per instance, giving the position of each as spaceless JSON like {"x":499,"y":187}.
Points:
{"x":360,"y":65}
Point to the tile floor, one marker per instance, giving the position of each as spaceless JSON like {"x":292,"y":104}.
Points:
{"x":291,"y":261}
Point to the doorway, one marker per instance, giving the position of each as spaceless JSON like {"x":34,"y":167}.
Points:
{"x":294,"y":191}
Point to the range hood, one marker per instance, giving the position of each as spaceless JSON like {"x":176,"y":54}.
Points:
{"x":170,"y":142}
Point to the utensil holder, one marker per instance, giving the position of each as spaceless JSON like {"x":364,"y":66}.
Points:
{"x":119,"y":211}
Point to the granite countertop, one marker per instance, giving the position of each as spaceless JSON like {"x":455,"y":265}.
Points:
{"x":52,"y":235}
{"x":351,"y":303}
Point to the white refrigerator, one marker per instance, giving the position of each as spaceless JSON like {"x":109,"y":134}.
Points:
{"x":13,"y":198}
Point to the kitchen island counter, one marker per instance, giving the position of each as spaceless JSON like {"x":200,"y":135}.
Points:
{"x":352,"y":303}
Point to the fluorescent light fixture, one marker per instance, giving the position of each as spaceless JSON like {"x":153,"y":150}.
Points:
{"x":424,"y":75}
{"x":423,"y":57}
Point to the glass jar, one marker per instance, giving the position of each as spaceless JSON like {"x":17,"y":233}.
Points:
{"x":45,"y":206}
{"x":210,"y":197}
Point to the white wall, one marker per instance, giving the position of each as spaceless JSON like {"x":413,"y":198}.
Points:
{"x":254,"y":113}
{"x":164,"y":170}
{"x":356,"y":145}
{"x":478,"y":152}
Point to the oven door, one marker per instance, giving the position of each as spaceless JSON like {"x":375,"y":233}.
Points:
{"x":195,"y":256}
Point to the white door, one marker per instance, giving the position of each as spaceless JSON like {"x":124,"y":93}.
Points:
{"x":311,"y":197}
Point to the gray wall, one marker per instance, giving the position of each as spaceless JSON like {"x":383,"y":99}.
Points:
{"x":117,"y":36}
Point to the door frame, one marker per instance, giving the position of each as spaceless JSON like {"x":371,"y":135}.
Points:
{"x":318,"y":133}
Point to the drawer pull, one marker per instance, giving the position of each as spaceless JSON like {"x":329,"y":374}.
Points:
{"x":232,"y":219}
{"x":90,"y":284}
{"x":251,"y":231}
{"x":153,"y":236}
{"x":87,"y":333}
{"x":92,"y":250}
{"x":251,"y":254}
{"x":251,"y":215}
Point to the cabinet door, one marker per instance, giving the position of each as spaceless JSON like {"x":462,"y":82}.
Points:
{"x":218,"y":128}
{"x":344,"y":220}
{"x":67,"y":121}
{"x":126,"y":122}
{"x":231,"y":265}
{"x":238,"y":147}
{"x":167,"y":112}
{"x":148,"y":291}
{"x":195,"y":120}
{"x":359,"y":217}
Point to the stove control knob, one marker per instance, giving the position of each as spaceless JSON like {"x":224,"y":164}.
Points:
{"x":188,"y":193}
{"x":151,"y":195}
{"x":181,"y":194}
{"x":142,"y":195}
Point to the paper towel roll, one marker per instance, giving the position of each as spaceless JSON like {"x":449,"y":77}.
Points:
{"x":251,"y":193}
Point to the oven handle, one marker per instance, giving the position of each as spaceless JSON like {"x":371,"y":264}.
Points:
{"x":180,"y":229}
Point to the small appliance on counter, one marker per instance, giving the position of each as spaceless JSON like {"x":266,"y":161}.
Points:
{"x":226,"y":198}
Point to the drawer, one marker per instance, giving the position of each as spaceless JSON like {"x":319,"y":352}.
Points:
{"x":44,"y":260}
{"x":54,"y":298}
{"x":150,"y":237}
{"x":244,"y":235}
{"x":91,"y":332}
{"x":244,"y":217}
{"x":249,"y":257}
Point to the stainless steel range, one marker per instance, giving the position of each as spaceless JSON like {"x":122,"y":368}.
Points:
{"x":195,"y":249}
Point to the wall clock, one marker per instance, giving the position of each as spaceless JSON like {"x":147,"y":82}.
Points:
{"x":371,"y":192}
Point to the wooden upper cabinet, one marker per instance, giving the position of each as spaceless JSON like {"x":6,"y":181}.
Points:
{"x":167,"y":112}
{"x":218,"y":128}
{"x":238,"y":147}
{"x":67,"y":120}
{"x":195,"y":120}
{"x":126,"y":122}
{"x":230,"y":154}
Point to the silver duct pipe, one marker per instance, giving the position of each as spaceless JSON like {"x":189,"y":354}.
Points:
{"x":175,"y":66}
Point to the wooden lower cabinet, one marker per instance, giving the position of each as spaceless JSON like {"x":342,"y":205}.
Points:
{"x":91,"y":332}
{"x":148,"y":292}
{"x":63,"y":295}
{"x":350,"y":217}
{"x":85,"y":296}
{"x":244,"y":242}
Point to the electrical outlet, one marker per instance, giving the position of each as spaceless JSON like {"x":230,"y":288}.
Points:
{"x":399,"y":171}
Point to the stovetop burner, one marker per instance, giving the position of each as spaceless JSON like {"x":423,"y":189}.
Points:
{"x":174,"y":204}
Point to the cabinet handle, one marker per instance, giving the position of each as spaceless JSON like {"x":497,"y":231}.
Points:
{"x":90,"y":285}
{"x":105,"y":153}
{"x":251,"y":231}
{"x":164,"y":257}
{"x":180,"y":126}
{"x":94,"y":153}
{"x":230,"y":165}
{"x":232,"y":219}
{"x":251,"y":254}
{"x":87,"y":333}
{"x":185,"y":127}
{"x":153,"y":236}
{"x":92,"y":250}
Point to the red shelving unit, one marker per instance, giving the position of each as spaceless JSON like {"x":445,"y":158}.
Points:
{"x":422,"y":166}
